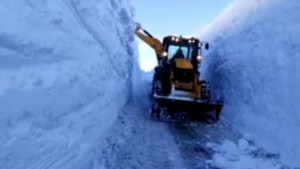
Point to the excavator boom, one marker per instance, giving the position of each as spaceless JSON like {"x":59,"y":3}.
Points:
{"x":153,"y":42}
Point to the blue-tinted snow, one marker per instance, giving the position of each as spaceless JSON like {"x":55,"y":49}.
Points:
{"x":254,"y":64}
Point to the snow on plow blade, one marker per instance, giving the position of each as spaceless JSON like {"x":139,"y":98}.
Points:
{"x":195,"y":109}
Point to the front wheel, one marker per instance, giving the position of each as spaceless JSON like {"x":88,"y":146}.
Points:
{"x":156,"y":85}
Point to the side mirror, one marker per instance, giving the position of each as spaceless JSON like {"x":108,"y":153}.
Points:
{"x":206,"y":46}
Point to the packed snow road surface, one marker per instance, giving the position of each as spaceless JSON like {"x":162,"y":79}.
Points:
{"x":135,"y":141}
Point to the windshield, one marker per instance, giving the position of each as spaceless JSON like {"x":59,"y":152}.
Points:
{"x":186,"y":50}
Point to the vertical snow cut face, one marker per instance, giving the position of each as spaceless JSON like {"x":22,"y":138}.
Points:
{"x":254,"y":64}
{"x":65,"y":69}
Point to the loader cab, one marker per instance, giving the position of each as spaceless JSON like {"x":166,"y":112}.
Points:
{"x":190,"y":47}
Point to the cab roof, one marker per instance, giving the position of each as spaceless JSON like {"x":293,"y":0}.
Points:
{"x":179,"y":40}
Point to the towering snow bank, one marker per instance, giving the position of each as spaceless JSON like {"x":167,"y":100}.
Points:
{"x":65,"y":68}
{"x":255,"y":65}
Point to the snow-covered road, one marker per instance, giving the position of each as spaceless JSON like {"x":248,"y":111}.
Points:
{"x":135,"y":141}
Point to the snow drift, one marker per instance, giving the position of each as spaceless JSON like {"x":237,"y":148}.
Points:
{"x":65,"y":68}
{"x":254,"y":64}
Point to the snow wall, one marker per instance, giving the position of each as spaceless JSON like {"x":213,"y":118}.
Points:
{"x":254,"y":64}
{"x":65,"y":69}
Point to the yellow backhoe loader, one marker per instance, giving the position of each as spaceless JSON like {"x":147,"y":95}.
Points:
{"x":177,"y":91}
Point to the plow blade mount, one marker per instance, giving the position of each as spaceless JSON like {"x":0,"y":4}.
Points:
{"x":193,"y":109}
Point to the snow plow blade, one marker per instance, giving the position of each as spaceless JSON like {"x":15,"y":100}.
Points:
{"x":184,"y":108}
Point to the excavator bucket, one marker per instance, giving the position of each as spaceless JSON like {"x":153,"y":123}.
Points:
{"x":178,"y":108}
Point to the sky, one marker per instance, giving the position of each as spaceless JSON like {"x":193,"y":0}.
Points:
{"x":172,"y":17}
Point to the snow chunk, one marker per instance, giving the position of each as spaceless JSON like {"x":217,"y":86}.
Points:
{"x":243,"y":144}
{"x":231,"y":156}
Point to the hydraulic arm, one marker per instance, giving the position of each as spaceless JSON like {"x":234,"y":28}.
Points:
{"x":150,"y":40}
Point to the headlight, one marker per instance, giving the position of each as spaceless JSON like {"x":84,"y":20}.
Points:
{"x":192,"y":41}
{"x":165,"y":54}
{"x":199,"y":58}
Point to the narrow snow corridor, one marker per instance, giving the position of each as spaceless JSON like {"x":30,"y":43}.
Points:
{"x":72,"y":95}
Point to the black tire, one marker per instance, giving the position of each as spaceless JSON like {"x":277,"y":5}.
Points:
{"x":156,"y":85}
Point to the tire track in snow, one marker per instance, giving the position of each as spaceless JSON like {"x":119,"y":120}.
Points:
{"x":53,"y":160}
{"x":202,"y":146}
{"x":193,"y":151}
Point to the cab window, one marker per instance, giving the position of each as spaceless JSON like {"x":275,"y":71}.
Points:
{"x":186,"y":50}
